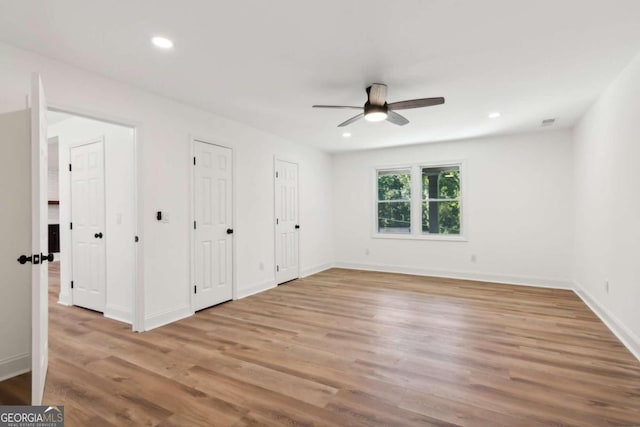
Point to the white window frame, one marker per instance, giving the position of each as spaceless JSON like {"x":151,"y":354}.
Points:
{"x":416,"y":202}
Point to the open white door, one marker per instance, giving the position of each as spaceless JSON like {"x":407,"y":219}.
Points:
{"x":15,"y":229}
{"x":287,"y":226}
{"x":39,"y":242}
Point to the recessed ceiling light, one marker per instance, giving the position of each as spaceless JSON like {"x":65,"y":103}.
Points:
{"x":494,"y":115}
{"x":162,"y":42}
{"x":347,"y":135}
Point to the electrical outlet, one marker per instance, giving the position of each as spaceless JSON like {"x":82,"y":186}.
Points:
{"x":474,"y":258}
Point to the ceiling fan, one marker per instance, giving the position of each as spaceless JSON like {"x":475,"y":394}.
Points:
{"x":376,"y":108}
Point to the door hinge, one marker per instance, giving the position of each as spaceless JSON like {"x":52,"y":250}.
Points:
{"x":194,"y":225}
{"x":70,"y":226}
{"x":276,"y":174}
{"x":72,"y":284}
{"x":70,"y":167}
{"x":277,"y":268}
{"x":194,"y":160}
{"x":195,"y":289}
{"x":277,"y":221}
{"x":136,"y":239}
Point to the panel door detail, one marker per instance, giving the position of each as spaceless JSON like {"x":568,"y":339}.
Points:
{"x":213,"y":188}
{"x":287,"y":226}
{"x":88,"y":225}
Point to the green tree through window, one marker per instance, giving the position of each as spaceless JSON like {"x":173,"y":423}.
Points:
{"x":394,"y":201}
{"x":436,"y":203}
{"x":441,"y":200}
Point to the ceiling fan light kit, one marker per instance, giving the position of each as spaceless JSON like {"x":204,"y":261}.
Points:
{"x":375,"y":113}
{"x":376,"y":108}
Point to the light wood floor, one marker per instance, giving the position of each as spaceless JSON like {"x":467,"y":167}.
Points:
{"x":350,"y":348}
{"x":16,"y":390}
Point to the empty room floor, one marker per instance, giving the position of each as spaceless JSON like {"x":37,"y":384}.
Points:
{"x":354,"y":348}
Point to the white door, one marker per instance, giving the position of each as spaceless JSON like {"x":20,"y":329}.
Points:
{"x":287,"y":226}
{"x":213,"y":225}
{"x":39,"y":242}
{"x":88,"y":225}
{"x":15,"y":229}
{"x":24,"y":321}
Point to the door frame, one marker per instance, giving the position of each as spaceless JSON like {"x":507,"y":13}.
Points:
{"x":277,"y":158}
{"x":138,"y":314}
{"x":193,"y":139}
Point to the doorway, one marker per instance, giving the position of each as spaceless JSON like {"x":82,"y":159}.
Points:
{"x":287,"y":228}
{"x":212,"y":199}
{"x":97,"y":204}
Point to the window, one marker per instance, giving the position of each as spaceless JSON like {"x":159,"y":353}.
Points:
{"x":441,"y":200}
{"x":419,"y":201}
{"x":394,"y":201}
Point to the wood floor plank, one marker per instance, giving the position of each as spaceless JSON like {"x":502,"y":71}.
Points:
{"x":347,"y":347}
{"x":16,"y":390}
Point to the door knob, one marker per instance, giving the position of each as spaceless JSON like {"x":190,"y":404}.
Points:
{"x":297,"y":227}
{"x":229,"y":230}
{"x":24,"y":259}
{"x":98,"y":235}
{"x":44,"y":257}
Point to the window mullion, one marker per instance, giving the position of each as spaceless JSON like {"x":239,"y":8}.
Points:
{"x":416,"y":200}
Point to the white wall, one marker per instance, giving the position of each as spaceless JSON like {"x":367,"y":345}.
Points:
{"x":119,"y":150}
{"x":164,"y":127}
{"x":517,"y":203}
{"x":607,"y":206}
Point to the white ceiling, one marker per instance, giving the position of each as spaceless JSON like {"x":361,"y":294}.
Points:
{"x":264,"y":63}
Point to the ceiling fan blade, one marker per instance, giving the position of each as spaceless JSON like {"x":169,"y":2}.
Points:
{"x":377,"y":94}
{"x":416,"y":103}
{"x":396,"y":118}
{"x":337,"y":106}
{"x":351,"y":120}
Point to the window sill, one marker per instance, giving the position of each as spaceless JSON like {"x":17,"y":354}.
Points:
{"x":435,"y":237}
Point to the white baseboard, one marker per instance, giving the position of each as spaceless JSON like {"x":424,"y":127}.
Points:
{"x":255,"y":289}
{"x":164,"y":318}
{"x":14,"y":366}
{"x":270,"y":284}
{"x":306,"y":272}
{"x":540,"y":282}
{"x":65,"y":299}
{"x":119,"y":313}
{"x":619,"y":329}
